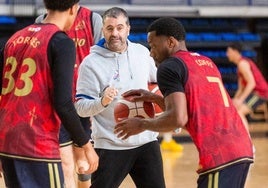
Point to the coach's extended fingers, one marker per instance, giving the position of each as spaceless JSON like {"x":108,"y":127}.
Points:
{"x":108,"y":95}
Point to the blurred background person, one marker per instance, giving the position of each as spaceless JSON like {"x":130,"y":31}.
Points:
{"x":252,"y":87}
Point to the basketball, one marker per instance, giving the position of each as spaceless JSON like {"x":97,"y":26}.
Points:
{"x":128,"y":109}
{"x":153,"y":87}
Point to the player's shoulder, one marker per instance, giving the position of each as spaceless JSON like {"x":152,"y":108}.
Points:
{"x":60,"y":35}
{"x":243,"y":64}
{"x":96,"y":16}
{"x":172,"y":64}
{"x":60,"y":40}
{"x":138,"y":48}
{"x":172,"y":61}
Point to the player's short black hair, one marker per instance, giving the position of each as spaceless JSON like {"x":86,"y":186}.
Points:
{"x":168,"y":27}
{"x":236,"y":46}
{"x":60,"y":5}
{"x":114,"y":12}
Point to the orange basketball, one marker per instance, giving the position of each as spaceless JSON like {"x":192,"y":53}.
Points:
{"x":127,"y":109}
{"x":153,"y":87}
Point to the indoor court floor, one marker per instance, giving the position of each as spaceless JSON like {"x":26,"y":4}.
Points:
{"x":179,"y":167}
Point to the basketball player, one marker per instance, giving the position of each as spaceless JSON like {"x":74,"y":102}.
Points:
{"x":36,"y":87}
{"x":252,"y":86}
{"x":114,"y":66}
{"x":85,"y":32}
{"x":194,"y":99}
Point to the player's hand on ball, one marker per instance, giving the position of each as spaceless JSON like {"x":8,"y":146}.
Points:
{"x":139,"y":95}
{"x":128,"y":127}
{"x":108,"y":95}
{"x":144,"y":95}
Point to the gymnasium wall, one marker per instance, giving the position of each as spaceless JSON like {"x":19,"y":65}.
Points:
{"x":210,"y":24}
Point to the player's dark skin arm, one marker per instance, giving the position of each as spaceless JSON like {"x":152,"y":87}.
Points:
{"x":175,"y":116}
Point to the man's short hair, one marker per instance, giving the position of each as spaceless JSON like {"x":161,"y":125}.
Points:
{"x":60,"y":5}
{"x":167,"y":26}
{"x":236,"y":46}
{"x":114,"y":12}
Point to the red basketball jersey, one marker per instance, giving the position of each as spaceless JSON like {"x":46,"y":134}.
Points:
{"x":29,"y":125}
{"x":82,"y":34}
{"x":261,"y":87}
{"x":214,"y":123}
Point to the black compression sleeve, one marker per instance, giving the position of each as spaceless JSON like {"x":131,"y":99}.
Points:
{"x":1,"y":67}
{"x":171,"y":76}
{"x":62,"y":58}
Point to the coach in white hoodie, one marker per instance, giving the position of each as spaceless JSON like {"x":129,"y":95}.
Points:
{"x":116,"y":65}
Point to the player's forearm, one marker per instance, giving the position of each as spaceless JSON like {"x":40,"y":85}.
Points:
{"x":160,"y":102}
{"x":246,"y":92}
{"x":166,"y":122}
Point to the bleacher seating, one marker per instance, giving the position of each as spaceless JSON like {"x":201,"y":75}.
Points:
{"x":208,"y":36}
{"x":259,"y":2}
{"x":230,"y":37}
{"x":7,"y":20}
{"x":158,"y":2}
{"x":21,"y":2}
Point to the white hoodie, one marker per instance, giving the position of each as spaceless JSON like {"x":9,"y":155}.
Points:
{"x":132,"y":69}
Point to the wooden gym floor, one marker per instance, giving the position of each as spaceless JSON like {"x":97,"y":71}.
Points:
{"x":179,"y":167}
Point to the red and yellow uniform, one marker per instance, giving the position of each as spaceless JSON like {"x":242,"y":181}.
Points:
{"x":221,"y":141}
{"x":82,"y":34}
{"x":261,"y":88}
{"x":27,"y":87}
